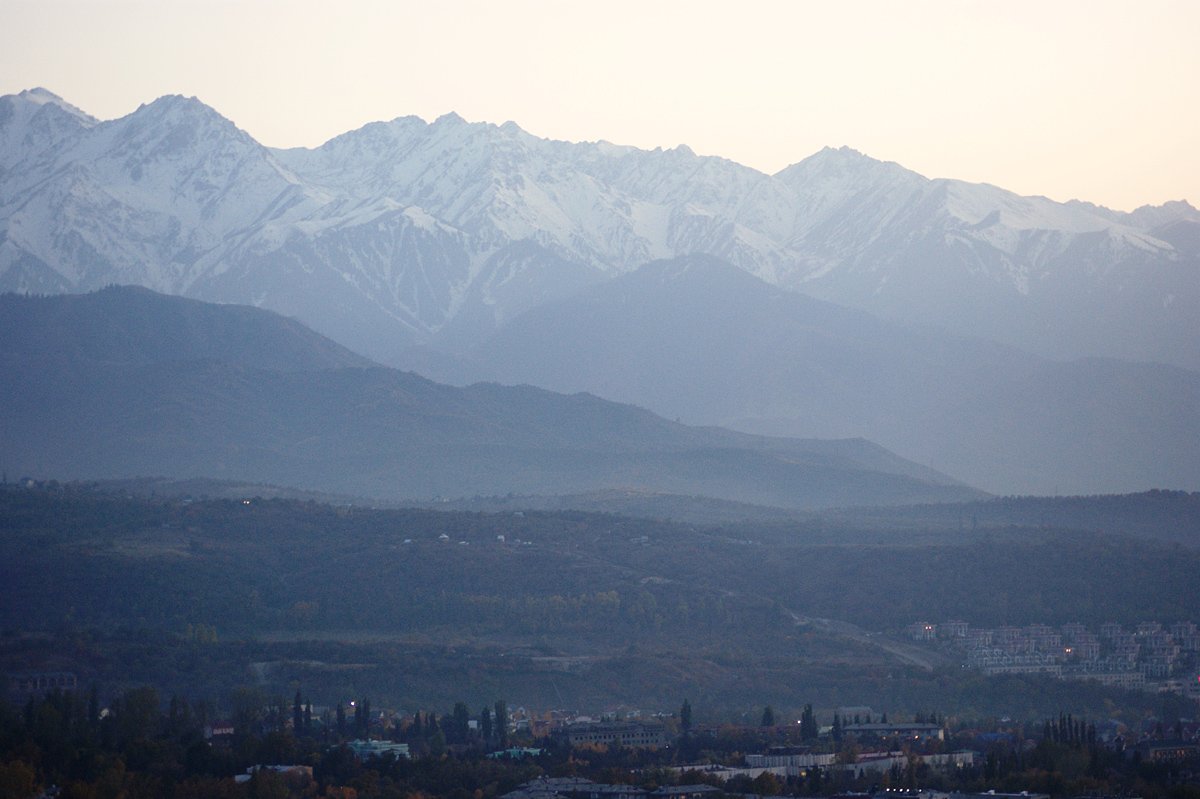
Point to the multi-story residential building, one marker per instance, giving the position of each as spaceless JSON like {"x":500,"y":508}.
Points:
{"x":635,"y":736}
{"x":1072,"y":631}
{"x":953,"y":629}
{"x":922,"y":631}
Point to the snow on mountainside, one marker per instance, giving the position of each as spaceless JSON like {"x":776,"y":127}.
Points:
{"x":857,"y":212}
{"x":34,"y":122}
{"x":143,"y":199}
{"x":409,"y":233}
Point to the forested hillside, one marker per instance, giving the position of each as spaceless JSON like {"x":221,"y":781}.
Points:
{"x":604,"y":605}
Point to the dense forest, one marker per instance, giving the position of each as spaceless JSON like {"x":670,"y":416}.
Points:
{"x":256,"y":565}
{"x":198,"y":595}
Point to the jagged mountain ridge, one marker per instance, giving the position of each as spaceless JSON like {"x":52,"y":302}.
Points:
{"x":406,"y":233}
{"x":133,"y":383}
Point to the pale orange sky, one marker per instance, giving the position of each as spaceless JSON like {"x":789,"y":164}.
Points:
{"x":1091,"y":100}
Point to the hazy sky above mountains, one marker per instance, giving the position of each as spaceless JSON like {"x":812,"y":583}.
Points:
{"x":1093,"y":100}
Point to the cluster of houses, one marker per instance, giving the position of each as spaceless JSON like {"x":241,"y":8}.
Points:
{"x":625,"y":726}
{"x":580,"y":788}
{"x":924,"y":793}
{"x":1149,"y":656}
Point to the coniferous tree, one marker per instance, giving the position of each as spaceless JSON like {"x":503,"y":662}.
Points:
{"x":93,"y":707}
{"x":501,"y":723}
{"x":768,"y":717}
{"x":461,"y":718}
{"x":808,"y":724}
{"x":485,"y":725}
{"x":685,"y":717}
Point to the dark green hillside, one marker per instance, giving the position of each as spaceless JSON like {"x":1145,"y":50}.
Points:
{"x":125,"y":383}
{"x":1156,"y":515}
{"x":175,"y":561}
{"x":126,"y":325}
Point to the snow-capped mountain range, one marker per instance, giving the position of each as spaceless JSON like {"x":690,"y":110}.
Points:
{"x":407,"y":233}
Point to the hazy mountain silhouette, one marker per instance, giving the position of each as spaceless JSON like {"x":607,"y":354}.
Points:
{"x":698,"y":339}
{"x":177,"y":389}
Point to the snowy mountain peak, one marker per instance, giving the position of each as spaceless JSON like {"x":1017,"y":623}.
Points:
{"x":182,"y":130}
{"x":178,"y":108}
{"x":410,"y":229}
{"x":33,"y":125}
{"x":838,"y":162}
{"x":450,"y":118}
{"x":1153,"y":216}
{"x":845,"y":152}
{"x":17,"y":110}
{"x":39,"y":97}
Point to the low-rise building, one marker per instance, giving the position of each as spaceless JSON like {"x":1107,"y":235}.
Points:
{"x":633,"y":735}
{"x":364,"y":749}
{"x":800,"y":761}
{"x":911,"y":732}
{"x":922,"y":631}
{"x":1160,"y":751}
{"x":953,"y":629}
{"x":292,"y":773}
{"x":36,"y":683}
